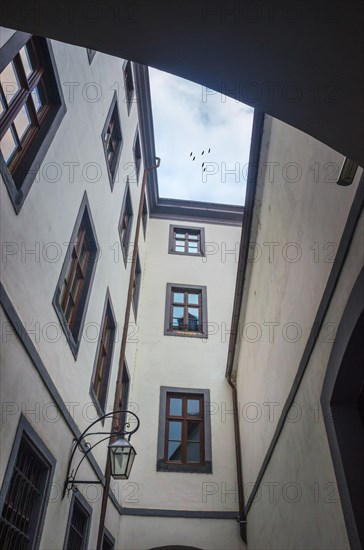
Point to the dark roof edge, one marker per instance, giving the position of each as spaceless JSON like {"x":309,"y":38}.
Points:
{"x":254,"y":157}
{"x":164,"y":208}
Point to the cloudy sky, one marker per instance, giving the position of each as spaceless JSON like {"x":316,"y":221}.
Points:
{"x":188,"y":118}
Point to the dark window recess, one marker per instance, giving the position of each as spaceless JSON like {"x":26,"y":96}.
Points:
{"x":107,"y":544}
{"x":22,"y":507}
{"x":186,"y":311}
{"x":186,"y":240}
{"x":125,"y":223}
{"x":184,"y":432}
{"x":31,"y":109}
{"x":90,"y":54}
{"x":112,"y":140}
{"x":145,"y":216}
{"x":136,"y":286}
{"x":124,"y":394}
{"x":74,"y":285}
{"x":347,"y":173}
{"x":78,"y":528}
{"x":129,"y":84}
{"x":137,"y":155}
{"x":101,"y":377}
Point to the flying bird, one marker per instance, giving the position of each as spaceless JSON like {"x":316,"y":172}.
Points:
{"x":209,"y":150}
{"x":202,"y":153}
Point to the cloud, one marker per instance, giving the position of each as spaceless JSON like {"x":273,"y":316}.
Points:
{"x":188,"y":118}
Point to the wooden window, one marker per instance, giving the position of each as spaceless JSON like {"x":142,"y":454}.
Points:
{"x":184,"y":441}
{"x":125,"y":384}
{"x":90,"y":54}
{"x":26,"y":490}
{"x":186,"y":240}
{"x":125,"y":223}
{"x":129,"y":84}
{"x":145,"y":216}
{"x":104,"y":354}
{"x":78,"y":270}
{"x":31,"y":110}
{"x":186,"y":310}
{"x":136,"y":287}
{"x":184,"y":438}
{"x":112,"y":140}
{"x":137,"y":155}
{"x":78,"y":524}
{"x":347,"y":172}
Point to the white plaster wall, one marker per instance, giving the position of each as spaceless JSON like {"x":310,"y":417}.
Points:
{"x":314,"y":518}
{"x":44,"y":225}
{"x":286,"y":280}
{"x":47,"y":218}
{"x":187,"y":363}
{"x":139,"y":533}
{"x":297,"y":504}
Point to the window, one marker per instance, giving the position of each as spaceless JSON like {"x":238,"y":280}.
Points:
{"x":125,"y":223}
{"x":125,"y":383}
{"x":108,"y":541}
{"x":90,"y":54}
{"x":145,"y":216}
{"x":186,"y":240}
{"x":129,"y":84}
{"x":74,"y":285}
{"x":184,"y":441}
{"x":136,"y":286}
{"x":137,"y":155}
{"x":102,"y":368}
{"x":25,"y":490}
{"x":31,"y":110}
{"x":186,"y":311}
{"x":78,"y":524}
{"x":112,"y":140}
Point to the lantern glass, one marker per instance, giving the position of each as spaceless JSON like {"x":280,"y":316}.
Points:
{"x":122,"y":455}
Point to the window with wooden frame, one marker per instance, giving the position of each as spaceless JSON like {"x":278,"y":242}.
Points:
{"x":25,"y":490}
{"x":184,"y":441}
{"x":186,"y":310}
{"x":145,"y":216}
{"x":90,"y":54}
{"x":31,"y":109}
{"x":125,"y":223}
{"x":104,"y":355}
{"x":186,"y":240}
{"x":79,"y":521}
{"x":137,"y":155}
{"x":74,"y":285}
{"x":125,"y":385}
{"x":136,"y":286}
{"x":112,"y":140}
{"x":129,"y":84}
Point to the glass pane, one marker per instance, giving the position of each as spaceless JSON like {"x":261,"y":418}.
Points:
{"x":193,"y":431}
{"x":180,"y":248}
{"x":193,"y":313}
{"x":178,"y":297}
{"x":175,"y":406}
{"x":178,"y":312}
{"x":174,"y":450}
{"x":193,"y":407}
{"x":26,"y":61}
{"x":180,"y":235}
{"x":9,"y":82}
{"x":36,"y":98}
{"x":193,"y":452}
{"x":193,"y":298}
{"x":175,"y":431}
{"x":22,"y":121}
{"x":2,"y":108}
{"x":193,"y":237}
{"x":193,"y":320}
{"x":8,"y":145}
